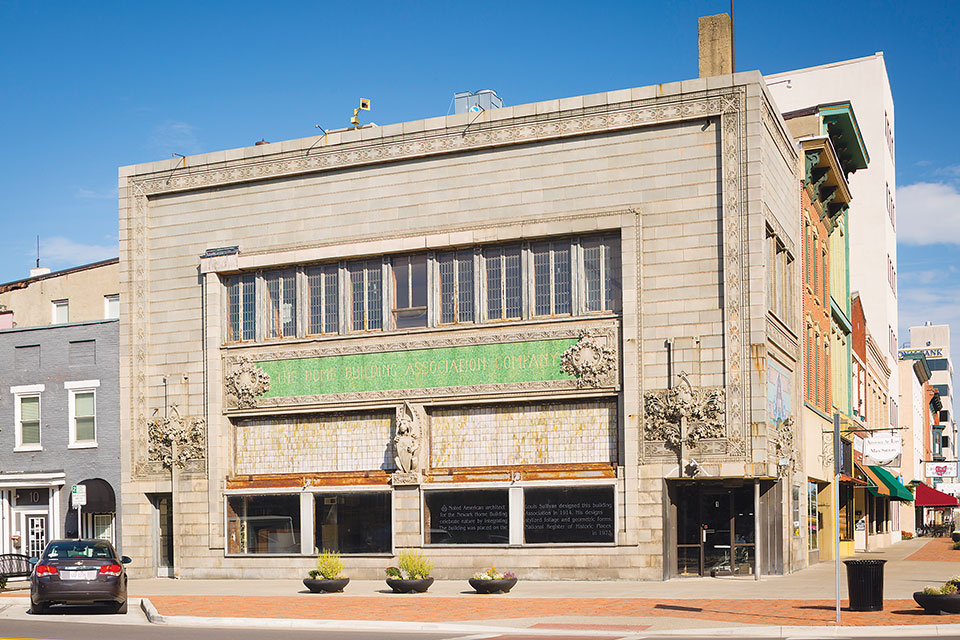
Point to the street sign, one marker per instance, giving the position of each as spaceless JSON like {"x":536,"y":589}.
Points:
{"x":79,"y":495}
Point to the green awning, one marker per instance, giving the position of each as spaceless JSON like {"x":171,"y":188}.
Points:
{"x":891,"y":487}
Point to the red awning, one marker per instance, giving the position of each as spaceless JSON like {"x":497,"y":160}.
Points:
{"x":930,"y":497}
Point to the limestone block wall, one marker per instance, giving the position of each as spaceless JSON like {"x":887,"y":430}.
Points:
{"x":314,"y":443}
{"x":539,"y":433}
{"x":644,"y":161}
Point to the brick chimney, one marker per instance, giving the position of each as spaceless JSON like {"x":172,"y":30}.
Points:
{"x":716,"y":45}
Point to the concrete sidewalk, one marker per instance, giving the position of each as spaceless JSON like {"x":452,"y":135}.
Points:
{"x":772,"y":606}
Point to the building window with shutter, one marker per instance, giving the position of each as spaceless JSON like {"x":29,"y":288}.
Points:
{"x":27,"y":416}
{"x":83,"y":413}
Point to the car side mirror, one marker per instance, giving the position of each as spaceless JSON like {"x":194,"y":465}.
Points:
{"x":126,"y":560}
{"x":33,"y":560}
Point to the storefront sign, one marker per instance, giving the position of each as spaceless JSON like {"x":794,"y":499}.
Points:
{"x":883,"y":447}
{"x":940,"y":469}
{"x":503,"y":363}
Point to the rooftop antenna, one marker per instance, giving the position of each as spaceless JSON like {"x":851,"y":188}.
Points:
{"x":364,"y":106}
{"x":38,"y":251}
{"x":733,"y":66}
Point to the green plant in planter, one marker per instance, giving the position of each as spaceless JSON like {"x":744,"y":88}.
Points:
{"x":3,"y":582}
{"x":949,"y":589}
{"x":329,"y":566}
{"x":956,"y":546}
{"x":493,"y":574}
{"x":412,"y":566}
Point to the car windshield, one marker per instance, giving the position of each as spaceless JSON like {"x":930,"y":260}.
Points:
{"x":77,"y":549}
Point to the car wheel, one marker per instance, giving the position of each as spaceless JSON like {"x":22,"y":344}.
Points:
{"x":38,"y":608}
{"x":122,"y":607}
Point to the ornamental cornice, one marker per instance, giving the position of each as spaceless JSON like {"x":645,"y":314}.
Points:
{"x":517,"y":130}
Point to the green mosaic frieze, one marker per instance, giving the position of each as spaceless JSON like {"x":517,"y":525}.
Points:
{"x":488,"y":364}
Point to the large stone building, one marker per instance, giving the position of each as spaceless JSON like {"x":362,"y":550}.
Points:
{"x":59,"y":422}
{"x":547,"y":336}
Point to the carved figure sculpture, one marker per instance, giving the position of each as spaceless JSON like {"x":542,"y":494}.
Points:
{"x":406,"y":442}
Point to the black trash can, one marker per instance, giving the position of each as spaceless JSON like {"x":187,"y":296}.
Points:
{"x":865,"y":584}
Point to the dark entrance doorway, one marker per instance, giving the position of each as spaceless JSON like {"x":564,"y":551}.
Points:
{"x":163,"y":533}
{"x":715,"y":528}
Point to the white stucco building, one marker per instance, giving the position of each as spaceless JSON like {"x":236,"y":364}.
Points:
{"x":872,"y":228}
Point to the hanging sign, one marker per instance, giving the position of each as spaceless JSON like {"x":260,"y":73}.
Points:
{"x":940,"y":469}
{"x":883,"y":447}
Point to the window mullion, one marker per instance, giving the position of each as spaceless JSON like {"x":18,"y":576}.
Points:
{"x":259,"y":303}
{"x":478,"y":297}
{"x":344,"y":309}
{"x":577,"y":303}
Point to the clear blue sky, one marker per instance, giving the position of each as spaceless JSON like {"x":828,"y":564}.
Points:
{"x":88,"y":87}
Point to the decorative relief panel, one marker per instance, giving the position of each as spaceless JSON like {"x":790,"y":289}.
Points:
{"x":540,"y":433}
{"x":175,"y":440}
{"x":684,"y":415}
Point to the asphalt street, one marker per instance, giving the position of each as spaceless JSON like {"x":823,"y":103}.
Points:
{"x":63,"y":627}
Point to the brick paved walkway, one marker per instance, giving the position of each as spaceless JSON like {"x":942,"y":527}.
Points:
{"x":426,"y":608}
{"x":937,"y":550}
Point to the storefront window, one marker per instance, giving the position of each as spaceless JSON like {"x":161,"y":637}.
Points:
{"x":355,"y":522}
{"x":467,"y":517}
{"x":263,"y":524}
{"x":568,"y":514}
{"x":813,"y":519}
{"x":846,"y":512}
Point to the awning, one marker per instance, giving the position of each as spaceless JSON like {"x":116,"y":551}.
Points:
{"x":930,"y":497}
{"x":884,"y":484}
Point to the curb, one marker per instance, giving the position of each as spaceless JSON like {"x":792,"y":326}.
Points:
{"x":153,"y":616}
{"x":932,"y":631}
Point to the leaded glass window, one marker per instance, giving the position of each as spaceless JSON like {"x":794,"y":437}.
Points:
{"x":456,"y":286}
{"x":366,"y":295}
{"x":241,"y":308}
{"x":323,"y":301}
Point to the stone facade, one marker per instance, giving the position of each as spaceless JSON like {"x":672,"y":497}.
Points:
{"x":680,"y":181}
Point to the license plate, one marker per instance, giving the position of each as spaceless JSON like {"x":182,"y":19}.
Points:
{"x":79,"y":575}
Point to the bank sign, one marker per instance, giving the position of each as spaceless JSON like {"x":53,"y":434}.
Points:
{"x":488,"y":364}
{"x":929,"y":353}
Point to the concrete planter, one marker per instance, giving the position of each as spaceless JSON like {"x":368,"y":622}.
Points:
{"x":935,"y":603}
{"x":409,"y":586}
{"x":492,"y":586}
{"x":322,"y":585}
